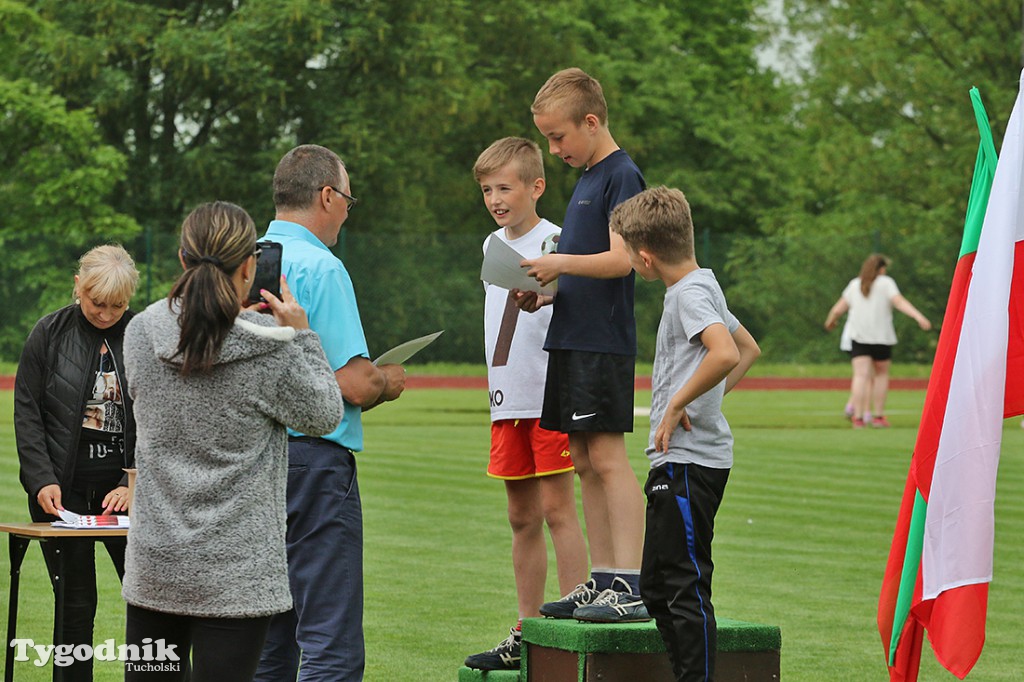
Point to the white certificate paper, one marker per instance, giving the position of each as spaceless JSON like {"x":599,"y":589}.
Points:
{"x":501,"y":268}
{"x":69,"y":519}
{"x":404,"y":351}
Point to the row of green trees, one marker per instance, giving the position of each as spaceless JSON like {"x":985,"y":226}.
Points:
{"x":119,"y":116}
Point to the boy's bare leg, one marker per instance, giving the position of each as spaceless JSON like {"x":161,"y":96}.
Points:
{"x":595,"y":505}
{"x":529,"y":551}
{"x":623,"y":513}
{"x":558,"y":500}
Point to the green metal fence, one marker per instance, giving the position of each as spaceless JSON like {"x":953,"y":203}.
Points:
{"x":409,"y":284}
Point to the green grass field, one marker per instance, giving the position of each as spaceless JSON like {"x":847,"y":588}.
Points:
{"x":900,"y":370}
{"x":802,"y":537}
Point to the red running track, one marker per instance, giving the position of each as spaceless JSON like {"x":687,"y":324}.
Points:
{"x":644,"y":383}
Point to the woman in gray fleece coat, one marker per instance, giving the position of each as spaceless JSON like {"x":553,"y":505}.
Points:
{"x":214,"y":389}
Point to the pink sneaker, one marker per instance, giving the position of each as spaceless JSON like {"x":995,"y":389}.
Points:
{"x":858,"y":423}
{"x":848,"y":411}
{"x":880,"y":422}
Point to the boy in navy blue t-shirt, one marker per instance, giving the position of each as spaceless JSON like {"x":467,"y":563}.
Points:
{"x":591,"y":344}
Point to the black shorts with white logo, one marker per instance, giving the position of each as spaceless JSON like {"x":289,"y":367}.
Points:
{"x":588,"y":391}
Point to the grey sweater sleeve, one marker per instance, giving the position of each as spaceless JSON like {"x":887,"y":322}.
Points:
{"x":306,"y":396}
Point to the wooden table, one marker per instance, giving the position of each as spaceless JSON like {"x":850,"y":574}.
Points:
{"x":19,"y":537}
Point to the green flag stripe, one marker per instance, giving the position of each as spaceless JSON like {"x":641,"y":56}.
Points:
{"x":908,"y":578}
{"x":981,"y":183}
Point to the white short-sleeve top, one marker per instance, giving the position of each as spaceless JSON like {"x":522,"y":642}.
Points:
{"x":870,"y":317}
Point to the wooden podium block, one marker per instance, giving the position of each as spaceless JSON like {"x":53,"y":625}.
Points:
{"x":570,"y":651}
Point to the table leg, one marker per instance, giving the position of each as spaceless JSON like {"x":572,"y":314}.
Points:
{"x":58,"y":604}
{"x":16,"y":548}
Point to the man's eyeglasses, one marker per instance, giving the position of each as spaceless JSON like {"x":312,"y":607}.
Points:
{"x":350,"y":200}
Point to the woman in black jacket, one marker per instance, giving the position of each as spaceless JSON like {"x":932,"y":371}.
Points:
{"x":74,"y":426}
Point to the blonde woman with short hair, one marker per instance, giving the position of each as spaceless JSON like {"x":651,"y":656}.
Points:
{"x":74,"y":427}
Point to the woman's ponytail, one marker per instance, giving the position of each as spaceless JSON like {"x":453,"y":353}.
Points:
{"x":216,"y":238}
{"x":869,"y":271}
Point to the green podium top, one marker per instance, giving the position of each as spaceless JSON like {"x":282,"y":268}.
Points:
{"x":641,"y":638}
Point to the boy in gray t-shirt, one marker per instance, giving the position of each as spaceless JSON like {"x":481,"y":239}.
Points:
{"x":702,"y":352}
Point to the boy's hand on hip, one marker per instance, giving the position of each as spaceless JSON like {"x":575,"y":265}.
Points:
{"x":672,"y":419}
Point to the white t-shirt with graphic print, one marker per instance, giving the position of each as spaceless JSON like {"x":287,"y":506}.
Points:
{"x":514,"y":340}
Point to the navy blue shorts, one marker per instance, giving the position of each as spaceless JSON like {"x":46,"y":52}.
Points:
{"x":586,"y":391}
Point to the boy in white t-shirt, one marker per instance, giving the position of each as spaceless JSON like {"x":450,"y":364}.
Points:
{"x":533,"y":462}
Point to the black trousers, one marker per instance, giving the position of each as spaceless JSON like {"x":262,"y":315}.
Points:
{"x":221,"y":649}
{"x":675,"y":577}
{"x":80,"y":568}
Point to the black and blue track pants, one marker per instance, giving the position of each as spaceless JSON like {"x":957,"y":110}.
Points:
{"x":675,"y":577}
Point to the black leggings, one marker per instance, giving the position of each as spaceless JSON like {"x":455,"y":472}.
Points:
{"x":80,"y":568}
{"x":221,"y":649}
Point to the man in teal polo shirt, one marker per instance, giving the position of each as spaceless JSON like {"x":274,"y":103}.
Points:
{"x":324,"y":629}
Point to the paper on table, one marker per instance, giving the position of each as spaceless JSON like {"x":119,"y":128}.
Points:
{"x":501,"y":268}
{"x":72,"y":520}
{"x":404,"y":351}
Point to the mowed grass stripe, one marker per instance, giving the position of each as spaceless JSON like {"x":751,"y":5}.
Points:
{"x":837,"y":493}
{"x":801,"y":539}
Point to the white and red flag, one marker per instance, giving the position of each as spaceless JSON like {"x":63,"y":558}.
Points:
{"x":940,"y":563}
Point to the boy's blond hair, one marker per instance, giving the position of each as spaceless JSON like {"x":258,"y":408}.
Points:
{"x":658,"y":221}
{"x":523,"y":154}
{"x":573,"y":93}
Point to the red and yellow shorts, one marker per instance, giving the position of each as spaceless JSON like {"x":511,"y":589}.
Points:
{"x":520,"y":449}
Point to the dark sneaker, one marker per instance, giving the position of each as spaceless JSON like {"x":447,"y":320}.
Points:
{"x":505,"y":656}
{"x":584,"y":594}
{"x":613,"y":607}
